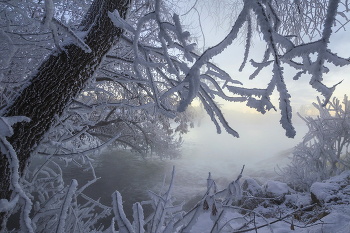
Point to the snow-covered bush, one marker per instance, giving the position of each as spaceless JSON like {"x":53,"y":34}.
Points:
{"x":44,"y":203}
{"x":227,"y":210}
{"x":169,"y":218}
{"x":324,"y":150}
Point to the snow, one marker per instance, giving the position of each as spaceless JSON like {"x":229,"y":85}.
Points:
{"x":74,"y":38}
{"x":123,"y":222}
{"x":252,"y":187}
{"x":323,"y":190}
{"x":5,"y":128}
{"x":189,"y":83}
{"x":138,"y":218}
{"x":7,"y":122}
{"x":336,"y":219}
{"x":66,"y":204}
{"x":18,"y":193}
{"x":335,"y":189}
{"x":6,"y":205}
{"x":119,"y":21}
{"x":49,"y":13}
{"x":276,"y":188}
{"x":298,"y":199}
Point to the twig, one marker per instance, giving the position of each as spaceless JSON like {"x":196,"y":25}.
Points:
{"x":270,"y":223}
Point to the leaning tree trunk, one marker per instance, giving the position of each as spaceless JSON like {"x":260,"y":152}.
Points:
{"x":58,"y":80}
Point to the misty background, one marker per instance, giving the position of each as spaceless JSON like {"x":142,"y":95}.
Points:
{"x":262,"y":145}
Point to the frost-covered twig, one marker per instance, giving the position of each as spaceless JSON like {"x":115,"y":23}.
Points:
{"x":275,"y":221}
{"x":18,"y":192}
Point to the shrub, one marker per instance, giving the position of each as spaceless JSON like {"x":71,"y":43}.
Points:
{"x":324,"y":150}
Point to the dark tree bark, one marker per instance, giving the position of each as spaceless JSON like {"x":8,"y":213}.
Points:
{"x":58,"y":80}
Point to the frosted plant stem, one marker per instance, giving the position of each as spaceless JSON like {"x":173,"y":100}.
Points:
{"x":7,"y":149}
{"x":65,"y":205}
{"x":238,"y":208}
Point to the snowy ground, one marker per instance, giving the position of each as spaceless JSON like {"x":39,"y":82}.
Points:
{"x":272,"y":207}
{"x":329,"y":211}
{"x":338,"y":221}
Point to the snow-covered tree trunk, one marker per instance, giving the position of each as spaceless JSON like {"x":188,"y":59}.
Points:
{"x":58,"y":80}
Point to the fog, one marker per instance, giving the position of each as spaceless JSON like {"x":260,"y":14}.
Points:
{"x":260,"y":138}
{"x":261,"y":146}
